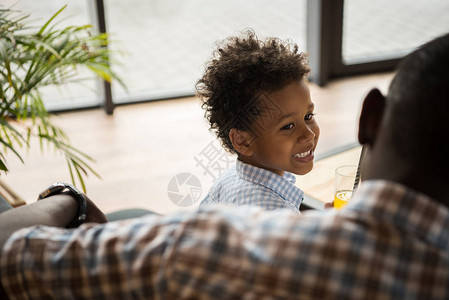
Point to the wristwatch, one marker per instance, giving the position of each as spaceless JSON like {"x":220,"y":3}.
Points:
{"x":58,"y":188}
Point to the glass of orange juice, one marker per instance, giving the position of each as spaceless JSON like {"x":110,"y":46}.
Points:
{"x":344,"y":184}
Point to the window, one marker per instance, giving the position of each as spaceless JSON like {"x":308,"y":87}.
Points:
{"x":376,"y":30}
{"x":73,"y":95}
{"x":162,"y":45}
{"x":361,"y":36}
{"x":166,"y":43}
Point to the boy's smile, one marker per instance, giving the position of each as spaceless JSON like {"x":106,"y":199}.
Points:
{"x":286,"y":133}
{"x":305,"y":156}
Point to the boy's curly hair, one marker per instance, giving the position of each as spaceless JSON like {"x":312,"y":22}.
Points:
{"x":241,"y":69}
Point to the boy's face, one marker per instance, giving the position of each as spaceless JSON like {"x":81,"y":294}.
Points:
{"x":286,"y":131}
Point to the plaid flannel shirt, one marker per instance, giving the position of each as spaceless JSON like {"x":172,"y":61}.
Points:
{"x":244,"y":184}
{"x":389,"y":243}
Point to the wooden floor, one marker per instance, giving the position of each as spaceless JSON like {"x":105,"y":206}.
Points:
{"x":142,"y":147}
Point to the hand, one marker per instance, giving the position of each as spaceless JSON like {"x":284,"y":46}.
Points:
{"x":329,"y":205}
{"x":93,"y":213}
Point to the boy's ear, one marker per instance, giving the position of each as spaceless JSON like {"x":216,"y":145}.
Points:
{"x":241,"y":141}
{"x":371,"y":116}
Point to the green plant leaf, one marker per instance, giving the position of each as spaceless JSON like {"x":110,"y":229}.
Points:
{"x":3,"y":166}
{"x":80,"y":177}
{"x":41,"y":31}
{"x":69,"y":164}
{"x":31,"y":60}
{"x":10,"y":147}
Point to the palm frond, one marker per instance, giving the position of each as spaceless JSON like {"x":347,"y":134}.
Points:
{"x":30,"y":61}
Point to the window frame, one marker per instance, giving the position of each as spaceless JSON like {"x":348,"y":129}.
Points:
{"x":325,"y":44}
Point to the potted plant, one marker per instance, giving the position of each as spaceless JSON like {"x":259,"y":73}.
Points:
{"x":31,"y":59}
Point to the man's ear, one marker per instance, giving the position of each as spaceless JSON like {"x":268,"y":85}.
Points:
{"x":241,"y":141}
{"x":371,"y":116}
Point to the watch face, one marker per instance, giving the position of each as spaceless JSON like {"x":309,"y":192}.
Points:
{"x":53,"y":189}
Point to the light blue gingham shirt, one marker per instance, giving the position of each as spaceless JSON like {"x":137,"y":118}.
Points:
{"x":244,"y":184}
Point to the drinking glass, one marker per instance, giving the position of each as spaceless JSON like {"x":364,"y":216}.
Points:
{"x":344,"y":184}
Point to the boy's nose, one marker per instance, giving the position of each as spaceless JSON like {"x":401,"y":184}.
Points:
{"x":306,"y":135}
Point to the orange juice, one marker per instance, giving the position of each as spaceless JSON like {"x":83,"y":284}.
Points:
{"x":342,"y":198}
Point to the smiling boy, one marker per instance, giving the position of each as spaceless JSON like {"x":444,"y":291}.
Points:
{"x":257,"y":101}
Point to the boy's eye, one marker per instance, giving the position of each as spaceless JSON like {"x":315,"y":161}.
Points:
{"x":309,"y":117}
{"x":288,"y":126}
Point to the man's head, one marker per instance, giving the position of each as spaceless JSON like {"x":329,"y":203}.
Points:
{"x":242,"y":70}
{"x":408,"y":131}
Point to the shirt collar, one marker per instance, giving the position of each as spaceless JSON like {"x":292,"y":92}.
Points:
{"x":407,"y":209}
{"x":284,"y":186}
